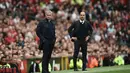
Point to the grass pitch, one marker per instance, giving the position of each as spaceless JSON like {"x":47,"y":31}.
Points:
{"x":110,"y":69}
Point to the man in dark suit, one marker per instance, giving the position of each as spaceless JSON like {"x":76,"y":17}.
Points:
{"x":46,"y":32}
{"x":34,"y":67}
{"x":80,"y":31}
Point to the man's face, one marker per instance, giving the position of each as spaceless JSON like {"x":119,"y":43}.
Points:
{"x":82,"y":15}
{"x":49,"y":15}
{"x":3,"y":60}
{"x":37,"y":61}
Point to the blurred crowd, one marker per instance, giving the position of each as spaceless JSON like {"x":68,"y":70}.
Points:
{"x":18,"y":20}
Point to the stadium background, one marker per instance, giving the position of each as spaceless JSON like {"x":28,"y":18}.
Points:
{"x":18,"y":19}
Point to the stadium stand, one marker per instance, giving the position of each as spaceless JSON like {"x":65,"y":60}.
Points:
{"x":110,"y":20}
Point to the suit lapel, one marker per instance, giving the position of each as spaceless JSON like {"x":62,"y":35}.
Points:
{"x":46,"y":24}
{"x":86,"y":23}
{"x":77,"y":25}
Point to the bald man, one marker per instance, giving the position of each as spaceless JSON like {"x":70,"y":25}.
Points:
{"x":46,"y":32}
{"x":80,"y":31}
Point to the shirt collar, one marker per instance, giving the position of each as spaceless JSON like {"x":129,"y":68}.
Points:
{"x":81,"y":21}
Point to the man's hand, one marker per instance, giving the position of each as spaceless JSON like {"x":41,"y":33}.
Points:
{"x":128,"y":31}
{"x":73,"y":38}
{"x":86,"y":39}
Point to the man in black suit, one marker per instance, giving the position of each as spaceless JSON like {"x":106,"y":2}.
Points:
{"x":34,"y":67}
{"x":46,"y":32}
{"x":80,"y":31}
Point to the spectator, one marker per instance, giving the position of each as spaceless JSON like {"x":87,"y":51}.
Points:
{"x":34,"y":67}
{"x":118,"y":60}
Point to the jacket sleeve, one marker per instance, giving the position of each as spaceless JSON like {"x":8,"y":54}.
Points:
{"x":90,"y":31}
{"x":71,"y":29}
{"x":39,"y":29}
{"x":31,"y":69}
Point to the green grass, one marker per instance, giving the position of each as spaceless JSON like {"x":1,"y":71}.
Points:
{"x":120,"y":71}
{"x":111,"y":69}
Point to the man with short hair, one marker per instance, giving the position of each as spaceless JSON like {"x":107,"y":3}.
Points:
{"x":46,"y":32}
{"x":80,"y":31}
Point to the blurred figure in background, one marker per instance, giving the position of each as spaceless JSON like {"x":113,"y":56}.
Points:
{"x":34,"y":66}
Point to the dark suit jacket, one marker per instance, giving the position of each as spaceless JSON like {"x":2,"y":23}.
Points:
{"x":43,"y":33}
{"x":75,"y":27}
